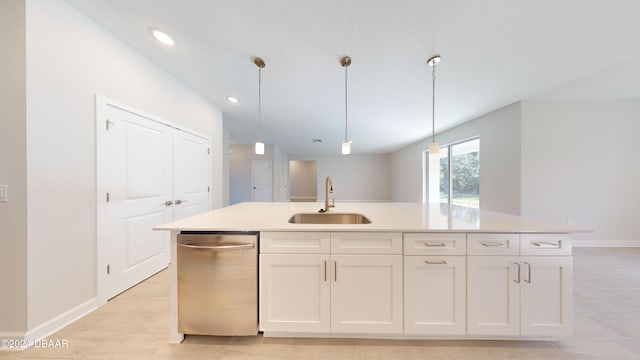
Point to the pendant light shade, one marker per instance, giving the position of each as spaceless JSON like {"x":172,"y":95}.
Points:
{"x":434,"y":148}
{"x":346,"y":145}
{"x":259,"y":144}
{"x":346,"y":148}
{"x":259,"y":148}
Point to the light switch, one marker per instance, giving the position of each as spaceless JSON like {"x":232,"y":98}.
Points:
{"x":4,"y":196}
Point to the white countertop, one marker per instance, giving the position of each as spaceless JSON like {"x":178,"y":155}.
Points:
{"x":384,"y":216}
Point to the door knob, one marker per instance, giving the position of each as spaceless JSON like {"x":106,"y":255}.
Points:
{"x":178,"y":202}
{"x":168,"y":203}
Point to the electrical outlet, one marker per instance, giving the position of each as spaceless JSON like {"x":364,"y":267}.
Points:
{"x":4,"y":196}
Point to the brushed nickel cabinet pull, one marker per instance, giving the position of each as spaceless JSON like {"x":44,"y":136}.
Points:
{"x":435,"y":245}
{"x":517,"y":272}
{"x":528,"y":279}
{"x":492,"y":244}
{"x":439,"y":262}
{"x":335,"y":271}
{"x":547,"y":244}
{"x":325,"y":270}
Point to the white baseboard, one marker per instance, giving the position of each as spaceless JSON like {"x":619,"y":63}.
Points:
{"x":42,"y":331}
{"x":605,"y":243}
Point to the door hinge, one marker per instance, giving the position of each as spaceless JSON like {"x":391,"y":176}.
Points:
{"x":108,"y":197}
{"x":208,"y":189}
{"x":109,"y":123}
{"x":108,"y":269}
{"x":208,"y":150}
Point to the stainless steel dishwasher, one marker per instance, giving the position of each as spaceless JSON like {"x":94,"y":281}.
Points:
{"x":218,"y":283}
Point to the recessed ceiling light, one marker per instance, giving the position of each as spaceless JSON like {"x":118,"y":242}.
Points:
{"x":162,"y":37}
{"x":232,"y":99}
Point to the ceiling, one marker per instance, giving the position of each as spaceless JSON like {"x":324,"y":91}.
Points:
{"x":494,"y":52}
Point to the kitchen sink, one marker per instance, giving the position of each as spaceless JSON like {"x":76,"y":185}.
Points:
{"x":329,"y":218}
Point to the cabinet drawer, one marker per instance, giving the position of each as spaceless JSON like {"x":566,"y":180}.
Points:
{"x":295,"y":242}
{"x":435,"y":244}
{"x":545,"y":244}
{"x":493,"y":244}
{"x":366,"y":243}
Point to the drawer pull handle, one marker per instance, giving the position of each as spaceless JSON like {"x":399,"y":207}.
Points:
{"x":325,"y":270}
{"x":435,"y":245}
{"x":492,"y":244}
{"x":517,"y":279}
{"x":528,"y":279}
{"x":439,"y":262}
{"x":546,"y":244}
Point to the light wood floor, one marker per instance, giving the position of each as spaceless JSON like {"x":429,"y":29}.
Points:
{"x":134,"y":326}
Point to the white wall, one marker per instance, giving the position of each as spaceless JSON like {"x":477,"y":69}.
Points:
{"x":499,"y":134}
{"x":280,"y":174}
{"x":580,"y":165}
{"x":13,"y":169}
{"x":226,"y":147}
{"x":70,"y":59}
{"x":355,"y":177}
{"x":303,"y":180}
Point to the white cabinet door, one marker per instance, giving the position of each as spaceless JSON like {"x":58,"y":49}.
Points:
{"x":294,"y":293}
{"x":435,"y":295}
{"x":493,"y":295}
{"x":366,"y":294}
{"x":547,"y":296}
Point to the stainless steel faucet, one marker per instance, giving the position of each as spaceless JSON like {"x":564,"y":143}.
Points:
{"x":328,"y":189}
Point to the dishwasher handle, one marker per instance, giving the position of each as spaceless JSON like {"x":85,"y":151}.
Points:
{"x":219,"y":247}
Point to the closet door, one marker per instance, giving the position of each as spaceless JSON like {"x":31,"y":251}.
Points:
{"x":148,"y":173}
{"x":191,"y":161}
{"x":135,"y":188}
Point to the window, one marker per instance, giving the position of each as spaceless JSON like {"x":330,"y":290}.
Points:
{"x":454,"y":175}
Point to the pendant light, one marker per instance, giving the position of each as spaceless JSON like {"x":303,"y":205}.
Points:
{"x":346,"y":145}
{"x":434,"y":148}
{"x":259,"y":144}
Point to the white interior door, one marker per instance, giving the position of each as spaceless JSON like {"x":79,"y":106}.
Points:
{"x":261,"y":180}
{"x":190,"y":174}
{"x":148,"y":173}
{"x":284,"y":196}
{"x":135,"y":182}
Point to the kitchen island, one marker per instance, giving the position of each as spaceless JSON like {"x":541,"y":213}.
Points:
{"x":415,"y":271}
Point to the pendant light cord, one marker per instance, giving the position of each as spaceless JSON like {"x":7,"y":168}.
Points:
{"x":259,"y":104}
{"x":346,"y":119}
{"x":433,"y":102}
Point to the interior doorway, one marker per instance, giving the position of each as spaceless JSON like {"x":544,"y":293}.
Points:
{"x":303,"y":180}
{"x":261,"y":176}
